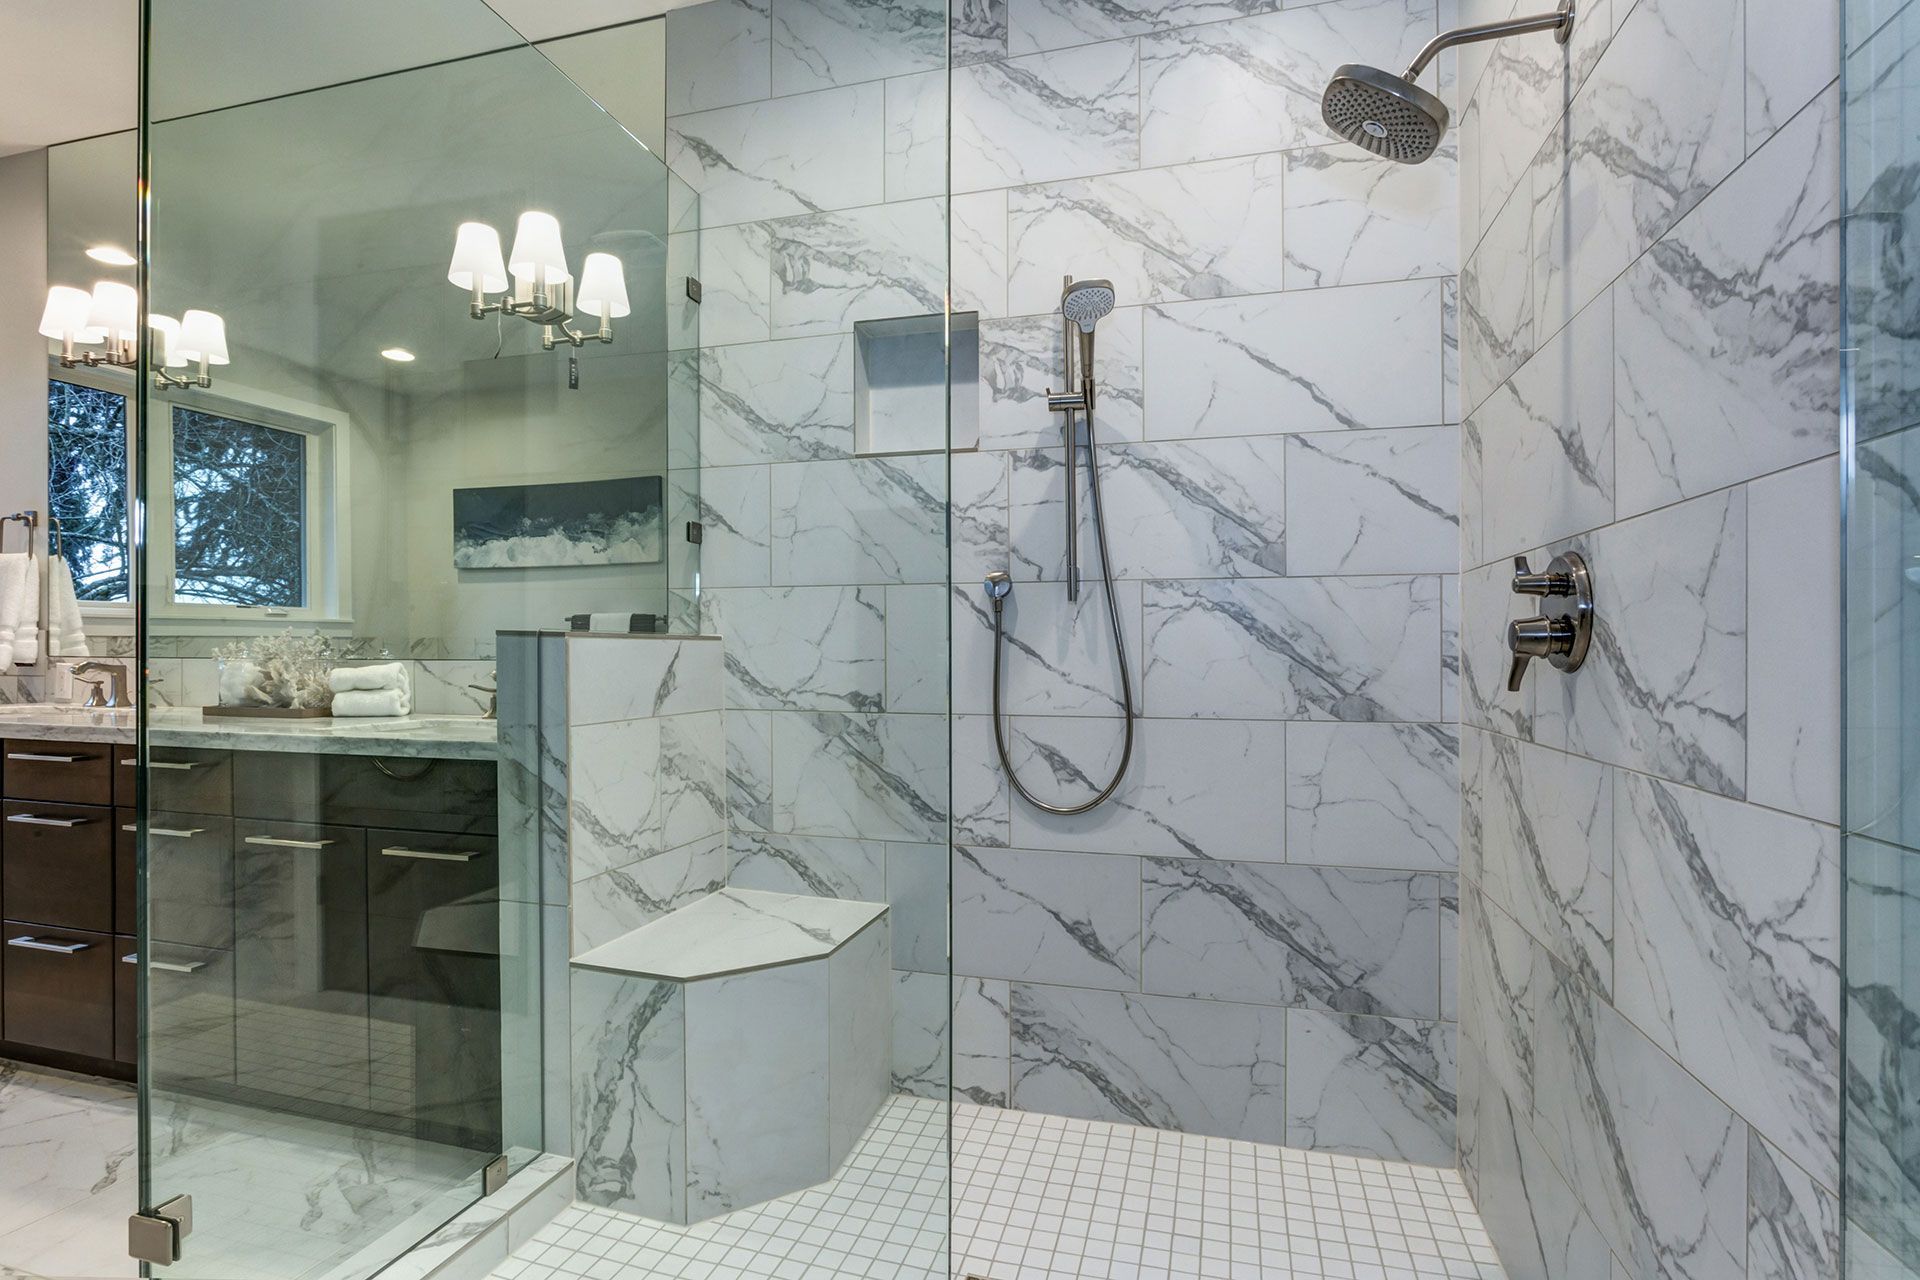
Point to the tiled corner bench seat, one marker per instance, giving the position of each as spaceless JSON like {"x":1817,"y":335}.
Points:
{"x":728,"y":1052}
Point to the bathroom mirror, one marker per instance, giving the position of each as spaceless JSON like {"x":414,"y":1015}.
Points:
{"x":372,"y":462}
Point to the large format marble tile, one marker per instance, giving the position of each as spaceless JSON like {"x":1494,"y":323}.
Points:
{"x":1307,"y":648}
{"x":864,"y":520}
{"x":1199,"y":789}
{"x":736,"y":515}
{"x":1540,"y":825}
{"x":1053,"y":24}
{"x":1726,"y":329}
{"x":1545,"y":443}
{"x":1071,"y":919}
{"x":803,"y":648}
{"x":1056,"y":655}
{"x":1374,"y":795}
{"x":819,"y":865}
{"x":1664,"y":688}
{"x":1882,"y":1072}
{"x":919,"y":913}
{"x":1048,"y":116}
{"x":1373,"y":502}
{"x":1347,"y":940}
{"x":867,"y":777}
{"x":859,"y":1039}
{"x":832,"y":270}
{"x":1190,"y":231}
{"x":1021,"y":360}
{"x":918,"y":651}
{"x":1188,"y":1065}
{"x":817,"y":43}
{"x":1497,"y":331}
{"x":718,"y":53}
{"x":611,"y":678}
{"x":643,"y":787}
{"x":629,"y":1093}
{"x":1793,"y":49}
{"x":1285,"y":362}
{"x":1254,"y":84}
{"x":777,"y":401}
{"x":982,"y":1040}
{"x":922,"y":1035}
{"x":1793,"y":1223}
{"x":1727,"y":955}
{"x":616,"y":902}
{"x":917,"y":116}
{"x":1793,"y":661}
{"x":1174,"y":509}
{"x":1381,"y":1087}
{"x":781,"y":156}
{"x":1353,"y":218}
{"x":977,"y":249}
{"x":736,"y":285}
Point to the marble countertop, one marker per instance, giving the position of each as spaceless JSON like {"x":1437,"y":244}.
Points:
{"x":733,"y":931}
{"x":432,"y":737}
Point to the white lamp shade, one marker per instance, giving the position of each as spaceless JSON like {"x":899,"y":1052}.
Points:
{"x":166,"y":343}
{"x":476,"y":259}
{"x":66,"y":315}
{"x":114,"y":308}
{"x":536,"y":246}
{"x":203,"y":336}
{"x":603,"y":287}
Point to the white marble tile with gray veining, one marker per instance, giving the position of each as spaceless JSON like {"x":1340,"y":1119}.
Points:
{"x":1285,"y":362}
{"x":922,"y":1035}
{"x":736,"y":516}
{"x":1793,"y":1223}
{"x":866,"y":520}
{"x":1306,"y":648}
{"x":803,"y":648}
{"x":1192,"y":1066}
{"x":1725,"y":330}
{"x":1379,"y":1087}
{"x":782,"y":156}
{"x":643,"y":787}
{"x":1034,"y":25}
{"x":918,"y":660}
{"x":817,"y":43}
{"x":735,"y":285}
{"x":863,"y":776}
{"x":1056,"y":656}
{"x":637,"y":677}
{"x":1727,"y":955}
{"x":918,"y":905}
{"x":1664,"y":688}
{"x":1351,"y":940}
{"x":1793,"y":49}
{"x":1373,"y":502}
{"x":749,"y":770}
{"x":629,"y":1093}
{"x":1020,"y":360}
{"x":1505,"y":976}
{"x":1374,"y":795}
{"x":718,"y":54}
{"x":1069,"y":919}
{"x":616,"y":902}
{"x":1046,"y":116}
{"x":980,"y":795}
{"x":832,"y":270}
{"x":1496,"y":301}
{"x":1188,"y":231}
{"x":816,"y":865}
{"x":777,"y":401}
{"x":1254,"y":84}
{"x":917,"y":120}
{"x":1353,"y":218}
{"x":1883,"y":893}
{"x":977,"y":251}
{"x":982,"y":1035}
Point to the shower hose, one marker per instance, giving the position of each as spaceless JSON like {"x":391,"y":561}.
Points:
{"x":1119,"y":648}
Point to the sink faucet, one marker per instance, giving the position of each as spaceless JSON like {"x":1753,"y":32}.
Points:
{"x":116,"y":682}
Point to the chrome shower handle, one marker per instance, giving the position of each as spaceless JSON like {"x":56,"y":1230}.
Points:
{"x":1563,"y":630}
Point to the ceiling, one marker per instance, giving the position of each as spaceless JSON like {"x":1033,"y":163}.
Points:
{"x":241,"y":50}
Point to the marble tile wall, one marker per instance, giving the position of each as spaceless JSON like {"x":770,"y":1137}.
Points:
{"x":1255,"y":937}
{"x":1649,"y":1056}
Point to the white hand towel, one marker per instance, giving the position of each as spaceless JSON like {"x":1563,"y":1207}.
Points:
{"x":381,"y":675}
{"x":66,"y":633}
{"x":373,"y":702}
{"x":15,"y":587}
{"x":26,"y":635}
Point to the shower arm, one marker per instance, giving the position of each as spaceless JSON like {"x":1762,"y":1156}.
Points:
{"x":1560,"y":22}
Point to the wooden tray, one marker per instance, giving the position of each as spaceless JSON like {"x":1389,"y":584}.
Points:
{"x":270,"y":713}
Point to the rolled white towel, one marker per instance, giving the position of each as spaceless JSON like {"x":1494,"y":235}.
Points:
{"x":373,"y":702}
{"x":13,"y":590}
{"x":381,"y":675}
{"x":66,"y":633}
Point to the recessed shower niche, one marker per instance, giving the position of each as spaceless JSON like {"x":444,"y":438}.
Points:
{"x":900,"y":377}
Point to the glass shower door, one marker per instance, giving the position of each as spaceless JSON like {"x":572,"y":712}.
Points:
{"x":378,"y":471}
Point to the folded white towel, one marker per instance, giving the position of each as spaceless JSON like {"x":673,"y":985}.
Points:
{"x":66,"y":633}
{"x":19,"y":610}
{"x":381,"y":675}
{"x":373,"y":702}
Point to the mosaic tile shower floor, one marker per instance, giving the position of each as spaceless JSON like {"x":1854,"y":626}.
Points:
{"x":1045,"y":1198}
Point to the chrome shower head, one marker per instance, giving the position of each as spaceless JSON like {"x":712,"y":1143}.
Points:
{"x":1389,"y":115}
{"x":1085,"y":301}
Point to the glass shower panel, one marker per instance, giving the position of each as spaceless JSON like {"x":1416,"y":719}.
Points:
{"x":354,"y":498}
{"x":1881,"y":1142}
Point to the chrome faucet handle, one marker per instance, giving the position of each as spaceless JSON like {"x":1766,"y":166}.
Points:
{"x":493,"y":694}
{"x":1528,"y":583}
{"x":95,"y":696}
{"x":1563,"y":631}
{"x":116,"y":680}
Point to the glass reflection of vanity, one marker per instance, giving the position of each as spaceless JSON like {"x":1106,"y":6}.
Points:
{"x":334,"y":910}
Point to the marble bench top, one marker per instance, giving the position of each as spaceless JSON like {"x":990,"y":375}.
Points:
{"x":733,"y":931}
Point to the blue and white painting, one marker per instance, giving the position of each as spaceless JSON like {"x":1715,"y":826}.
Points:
{"x":525,"y":526}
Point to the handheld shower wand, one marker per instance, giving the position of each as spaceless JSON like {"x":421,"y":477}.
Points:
{"x":1082,"y":305}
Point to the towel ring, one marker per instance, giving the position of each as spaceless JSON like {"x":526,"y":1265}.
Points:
{"x":31,"y":519}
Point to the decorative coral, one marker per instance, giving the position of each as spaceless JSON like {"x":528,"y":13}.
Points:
{"x":284,"y":670}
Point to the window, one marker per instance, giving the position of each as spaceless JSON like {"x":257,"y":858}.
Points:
{"x":87,"y":487}
{"x":239,"y":512}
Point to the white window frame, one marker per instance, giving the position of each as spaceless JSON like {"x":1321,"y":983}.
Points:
{"x":327,"y":562}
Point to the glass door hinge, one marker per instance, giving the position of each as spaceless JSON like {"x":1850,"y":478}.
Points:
{"x":494,"y":1176}
{"x":695,"y":531}
{"x":155,"y":1237}
{"x":693,"y":288}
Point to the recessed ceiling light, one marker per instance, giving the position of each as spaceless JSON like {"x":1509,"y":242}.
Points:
{"x":112,"y":255}
{"x":399,"y":355}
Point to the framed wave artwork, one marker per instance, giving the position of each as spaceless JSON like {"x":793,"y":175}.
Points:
{"x":582,"y":522}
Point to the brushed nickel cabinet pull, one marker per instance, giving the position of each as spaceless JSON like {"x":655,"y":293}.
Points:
{"x":178,"y":833}
{"x":433,"y":855}
{"x":44,"y":757}
{"x":179,"y":765}
{"x":165,"y":966}
{"x":277,"y":842}
{"x":59,"y":948}
{"x":35,"y":820}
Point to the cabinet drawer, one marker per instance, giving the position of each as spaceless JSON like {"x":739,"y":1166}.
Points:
{"x":182,"y":779}
{"x":56,"y":988}
{"x":56,"y":864}
{"x":70,"y":772}
{"x":189,"y":877}
{"x":367,"y":791}
{"x":126,"y":873}
{"x":190,"y":1013}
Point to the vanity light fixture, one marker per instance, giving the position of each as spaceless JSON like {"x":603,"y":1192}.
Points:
{"x":112,"y":255}
{"x":110,"y":316}
{"x":543,"y":290}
